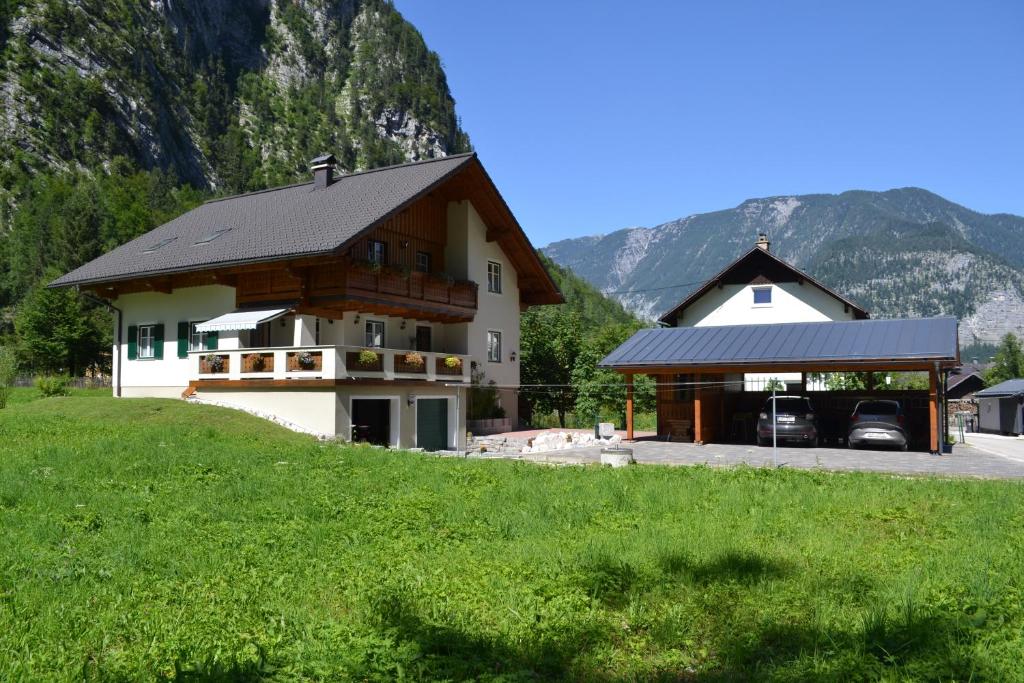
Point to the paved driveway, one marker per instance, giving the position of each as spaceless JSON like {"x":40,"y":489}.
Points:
{"x":1011,"y":448}
{"x":966,"y":459}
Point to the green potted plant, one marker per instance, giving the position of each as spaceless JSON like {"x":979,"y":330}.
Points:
{"x":214,"y":363}
{"x":256,"y":361}
{"x":306,"y":360}
{"x":368,"y":357}
{"x":453,"y":362}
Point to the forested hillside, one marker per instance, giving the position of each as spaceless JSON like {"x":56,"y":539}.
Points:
{"x":904,"y":252}
{"x":117,"y":115}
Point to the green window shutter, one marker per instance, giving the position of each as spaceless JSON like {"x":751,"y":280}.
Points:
{"x":158,"y":341}
{"x":133,"y":342}
{"x":211,"y":341}
{"x":183,"y":340}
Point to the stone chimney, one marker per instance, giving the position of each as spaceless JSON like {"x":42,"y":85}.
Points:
{"x":763,"y":243}
{"x":323,"y":171}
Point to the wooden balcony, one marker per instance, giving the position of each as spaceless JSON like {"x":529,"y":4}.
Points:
{"x":327,"y":363}
{"x":345,"y":285}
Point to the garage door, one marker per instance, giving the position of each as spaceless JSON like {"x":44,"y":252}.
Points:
{"x":432,"y":424}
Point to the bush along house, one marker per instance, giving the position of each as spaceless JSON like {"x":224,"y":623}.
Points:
{"x":357,"y":306}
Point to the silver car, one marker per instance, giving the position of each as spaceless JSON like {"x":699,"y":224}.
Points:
{"x":877,"y":423}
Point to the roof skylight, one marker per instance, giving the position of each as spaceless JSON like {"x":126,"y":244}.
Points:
{"x":159,"y":245}
{"x":206,"y":239}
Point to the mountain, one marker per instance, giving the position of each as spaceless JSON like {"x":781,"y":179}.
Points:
{"x":117,"y":115}
{"x":582,"y":298}
{"x":227,"y":95}
{"x":904,"y":252}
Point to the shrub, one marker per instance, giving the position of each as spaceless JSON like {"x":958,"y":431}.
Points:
{"x":53,"y":385}
{"x":8,"y":370}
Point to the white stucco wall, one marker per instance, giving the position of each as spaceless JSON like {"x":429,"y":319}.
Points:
{"x":168,"y":377}
{"x":791,"y":303}
{"x":466,"y":257}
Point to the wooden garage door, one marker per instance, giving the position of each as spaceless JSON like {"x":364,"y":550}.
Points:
{"x":432,"y":424}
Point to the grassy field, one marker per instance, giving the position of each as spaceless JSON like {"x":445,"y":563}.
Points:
{"x":148,"y":539}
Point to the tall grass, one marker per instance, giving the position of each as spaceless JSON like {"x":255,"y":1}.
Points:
{"x":148,"y":539}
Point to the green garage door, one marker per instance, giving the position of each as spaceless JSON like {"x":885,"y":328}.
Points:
{"x":432,"y":424}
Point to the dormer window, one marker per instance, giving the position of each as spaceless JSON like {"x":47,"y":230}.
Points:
{"x":762,"y":296}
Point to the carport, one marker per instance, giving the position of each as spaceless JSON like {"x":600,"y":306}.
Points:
{"x":699,"y":370}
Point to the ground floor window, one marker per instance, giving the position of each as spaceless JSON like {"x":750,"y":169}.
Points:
{"x":196,"y":339}
{"x":147,"y":338}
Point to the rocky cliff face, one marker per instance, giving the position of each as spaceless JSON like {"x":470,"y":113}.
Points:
{"x":904,"y":252}
{"x":226,"y":94}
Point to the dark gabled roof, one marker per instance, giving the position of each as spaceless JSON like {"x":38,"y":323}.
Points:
{"x":285,"y":222}
{"x":831,"y":342}
{"x":741,"y":271}
{"x":1011,"y":388}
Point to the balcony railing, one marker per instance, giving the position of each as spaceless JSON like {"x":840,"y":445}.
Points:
{"x":328,"y":362}
{"x":412,"y":285}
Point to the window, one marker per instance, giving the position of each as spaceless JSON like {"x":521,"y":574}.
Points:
{"x":159,"y":245}
{"x":423,"y":261}
{"x":374,"y":334}
{"x":494,"y":277}
{"x":196,"y":339}
{"x":147,"y":341}
{"x":377,"y":252}
{"x":762,"y":296}
{"x":209,"y":237}
{"x":494,"y":346}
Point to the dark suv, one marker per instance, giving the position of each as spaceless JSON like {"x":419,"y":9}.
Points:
{"x":877,"y":423}
{"x":795,"y":420}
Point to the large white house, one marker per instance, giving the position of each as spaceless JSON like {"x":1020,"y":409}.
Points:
{"x":360,"y":306}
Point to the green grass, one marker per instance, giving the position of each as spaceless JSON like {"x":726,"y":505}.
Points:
{"x":147,"y":539}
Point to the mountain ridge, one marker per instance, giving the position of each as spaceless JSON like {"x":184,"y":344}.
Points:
{"x":899,"y":252}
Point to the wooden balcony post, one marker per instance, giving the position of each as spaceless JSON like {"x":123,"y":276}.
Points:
{"x":629,"y":407}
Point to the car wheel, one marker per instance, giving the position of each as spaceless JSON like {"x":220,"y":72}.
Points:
{"x":904,"y":448}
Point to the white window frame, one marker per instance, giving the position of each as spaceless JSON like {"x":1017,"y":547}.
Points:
{"x":192,"y":332}
{"x":371,"y":252}
{"x":499,"y":346}
{"x":151,"y":328}
{"x":383,"y":334}
{"x":427,"y":264}
{"x":494,"y":277}
{"x":762,"y":288}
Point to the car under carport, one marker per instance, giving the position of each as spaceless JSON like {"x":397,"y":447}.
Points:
{"x":699,"y":372}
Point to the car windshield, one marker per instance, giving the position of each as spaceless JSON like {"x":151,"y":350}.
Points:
{"x":878,"y":408}
{"x":789,"y":406}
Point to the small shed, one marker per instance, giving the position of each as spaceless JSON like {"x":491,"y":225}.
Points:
{"x":1001,"y":408}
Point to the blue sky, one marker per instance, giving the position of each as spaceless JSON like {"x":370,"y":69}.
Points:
{"x":594,"y":116}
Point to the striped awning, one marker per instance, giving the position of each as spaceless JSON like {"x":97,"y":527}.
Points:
{"x":240,"y":320}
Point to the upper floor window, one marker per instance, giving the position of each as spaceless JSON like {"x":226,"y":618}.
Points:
{"x":196,"y":339}
{"x":374,"y":334}
{"x":494,"y":346}
{"x":147,"y":341}
{"x":377,"y":252}
{"x":423,"y":261}
{"x":762,"y":295}
{"x":494,"y":277}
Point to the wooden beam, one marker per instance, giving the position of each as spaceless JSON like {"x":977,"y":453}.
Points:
{"x":629,"y":407}
{"x":933,"y":411}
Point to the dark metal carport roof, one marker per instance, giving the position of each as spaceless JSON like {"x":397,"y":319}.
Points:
{"x":1009,"y":388}
{"x":831,"y":343}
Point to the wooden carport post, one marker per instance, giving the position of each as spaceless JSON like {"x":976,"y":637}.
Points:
{"x":698,"y":418}
{"x":933,"y":410}
{"x":629,"y":407}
